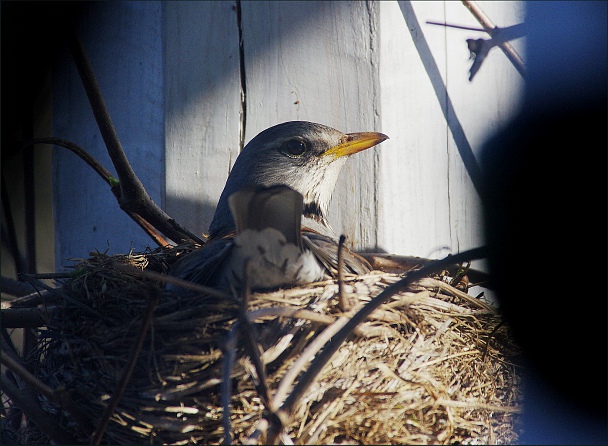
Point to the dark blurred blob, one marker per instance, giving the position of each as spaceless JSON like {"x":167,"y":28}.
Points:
{"x":31,"y":37}
{"x":545,"y":218}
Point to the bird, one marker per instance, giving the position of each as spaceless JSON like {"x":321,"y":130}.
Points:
{"x":270,"y":226}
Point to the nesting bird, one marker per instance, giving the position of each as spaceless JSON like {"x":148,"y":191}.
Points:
{"x":270,"y":226}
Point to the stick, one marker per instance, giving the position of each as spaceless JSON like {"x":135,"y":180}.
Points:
{"x":491,"y":29}
{"x":166,"y":278}
{"x":229,"y":350}
{"x":341,"y":296}
{"x":58,"y":397}
{"x":36,"y":414}
{"x":132,"y":197}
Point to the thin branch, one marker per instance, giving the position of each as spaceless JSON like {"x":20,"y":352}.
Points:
{"x":128,"y":371}
{"x":23,"y":317}
{"x":78,"y":151}
{"x":53,"y":276}
{"x":392,"y":263}
{"x":9,"y":234}
{"x":253,"y":349}
{"x":490,"y":336}
{"x":32,"y":299}
{"x":59,"y":397}
{"x":447,"y":25}
{"x":132,"y":186}
{"x":38,"y":416}
{"x":6,"y":343}
{"x":15,"y":287}
{"x":311,"y":350}
{"x":492,"y":30}
{"x":132,"y":198}
{"x":295,"y":313}
{"x":27,"y":377}
{"x":504,"y":34}
{"x":165,"y":278}
{"x":229,"y":351}
{"x":107,"y":177}
{"x":343,"y":302}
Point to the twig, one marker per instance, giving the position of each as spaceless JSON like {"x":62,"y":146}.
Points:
{"x":15,"y":287}
{"x":29,"y":277}
{"x":229,"y":351}
{"x":78,"y":151}
{"x":252,"y":345}
{"x":23,"y":317}
{"x":128,"y":371}
{"x":107,"y":177}
{"x":343,"y":302}
{"x":447,"y":25}
{"x":59,"y":397}
{"x":325,"y":355}
{"x":490,"y":336}
{"x":392,"y":263}
{"x":132,"y":196}
{"x":491,"y":29}
{"x":296,"y":313}
{"x":65,"y":295}
{"x":9,"y":235}
{"x":32,"y":299}
{"x":36,"y":414}
{"x":261,"y":429}
{"x":6,"y":343}
{"x":165,"y":278}
{"x":311,"y":350}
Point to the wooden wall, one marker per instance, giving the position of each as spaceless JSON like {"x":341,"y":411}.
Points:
{"x":184,"y":98}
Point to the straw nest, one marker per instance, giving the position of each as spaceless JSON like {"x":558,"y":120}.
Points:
{"x":426,"y":367}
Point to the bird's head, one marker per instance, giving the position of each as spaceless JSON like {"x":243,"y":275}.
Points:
{"x":303,"y":155}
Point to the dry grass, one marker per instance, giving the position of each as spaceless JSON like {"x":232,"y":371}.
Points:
{"x":418,"y":371}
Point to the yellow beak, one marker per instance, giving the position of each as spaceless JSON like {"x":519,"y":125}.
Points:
{"x":355,"y":142}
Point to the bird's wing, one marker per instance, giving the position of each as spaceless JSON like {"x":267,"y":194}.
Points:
{"x":278,"y":207}
{"x":202,"y":265}
{"x":325,"y":250}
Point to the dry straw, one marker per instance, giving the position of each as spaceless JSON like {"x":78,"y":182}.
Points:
{"x":426,"y":367}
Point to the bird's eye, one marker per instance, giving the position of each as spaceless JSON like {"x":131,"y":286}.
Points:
{"x":294,"y":147}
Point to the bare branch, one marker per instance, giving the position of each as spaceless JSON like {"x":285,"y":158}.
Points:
{"x":132,"y":196}
{"x":41,"y":419}
{"x":15,"y":287}
{"x":229,"y":350}
{"x":59,"y":397}
{"x":165,"y":278}
{"x":23,"y":317}
{"x":492,"y":30}
{"x":78,"y":151}
{"x":343,"y":302}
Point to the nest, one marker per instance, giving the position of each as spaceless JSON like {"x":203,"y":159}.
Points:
{"x":427,"y":366}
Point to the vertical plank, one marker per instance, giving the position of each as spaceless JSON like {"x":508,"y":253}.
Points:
{"x":317,"y":61}
{"x":414,"y":173}
{"x":481,"y":106}
{"x":202,"y":107}
{"x":123,"y":42}
{"x":438,"y":121}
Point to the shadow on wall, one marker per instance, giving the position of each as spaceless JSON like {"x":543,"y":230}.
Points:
{"x":545,"y":219}
{"x":441,"y":92}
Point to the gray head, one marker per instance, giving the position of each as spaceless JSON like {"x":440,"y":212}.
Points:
{"x":303,"y":155}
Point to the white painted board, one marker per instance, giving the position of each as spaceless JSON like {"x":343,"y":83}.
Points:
{"x":171,"y":75}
